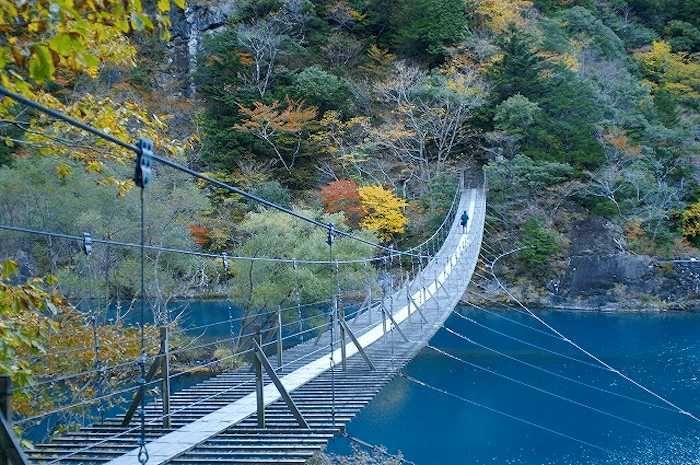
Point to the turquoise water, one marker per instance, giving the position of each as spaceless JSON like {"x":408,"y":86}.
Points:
{"x":660,"y":350}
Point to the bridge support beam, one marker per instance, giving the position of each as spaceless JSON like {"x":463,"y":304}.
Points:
{"x":165,"y":370}
{"x":161,"y":363}
{"x":263,"y":362}
{"x":418,"y":309}
{"x":345,"y":328}
{"x":11,"y":452}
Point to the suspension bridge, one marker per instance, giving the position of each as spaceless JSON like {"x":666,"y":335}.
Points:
{"x":302,"y":387}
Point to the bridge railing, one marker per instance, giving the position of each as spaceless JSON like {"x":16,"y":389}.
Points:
{"x":114,"y":346}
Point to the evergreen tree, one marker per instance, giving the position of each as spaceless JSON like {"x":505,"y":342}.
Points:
{"x":518,"y":72}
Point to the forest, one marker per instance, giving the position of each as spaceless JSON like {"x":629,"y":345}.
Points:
{"x":359,"y":112}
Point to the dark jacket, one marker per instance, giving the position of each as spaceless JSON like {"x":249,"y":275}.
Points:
{"x":465,"y":218}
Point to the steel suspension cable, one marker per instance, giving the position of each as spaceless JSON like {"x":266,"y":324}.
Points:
{"x":107,"y":242}
{"x":184,"y":169}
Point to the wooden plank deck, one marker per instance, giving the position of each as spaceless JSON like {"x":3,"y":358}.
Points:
{"x":222,"y":427}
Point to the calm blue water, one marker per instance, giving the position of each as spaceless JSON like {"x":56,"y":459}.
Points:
{"x":660,"y":350}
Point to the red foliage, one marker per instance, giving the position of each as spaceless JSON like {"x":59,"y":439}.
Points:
{"x":200,"y":234}
{"x":342,"y":196}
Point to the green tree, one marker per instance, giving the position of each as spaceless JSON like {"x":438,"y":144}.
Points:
{"x":541,"y":246}
{"x":518,"y":70}
{"x":516,"y":115}
{"x":423,"y":28}
{"x":258,"y":286}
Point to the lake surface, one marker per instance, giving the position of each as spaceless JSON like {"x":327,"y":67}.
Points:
{"x":662,"y":351}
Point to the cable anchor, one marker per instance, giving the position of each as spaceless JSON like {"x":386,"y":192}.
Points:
{"x":144,"y":159}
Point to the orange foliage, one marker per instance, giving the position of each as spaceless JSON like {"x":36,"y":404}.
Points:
{"x":342,"y":196}
{"x":291,"y":118}
{"x":200,"y":235}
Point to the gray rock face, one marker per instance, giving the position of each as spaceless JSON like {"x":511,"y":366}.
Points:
{"x":589,"y":275}
{"x":188,"y":29}
{"x":602,"y":281}
{"x":596,"y":236}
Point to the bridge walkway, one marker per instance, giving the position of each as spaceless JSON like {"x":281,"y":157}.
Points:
{"x":215,"y":421}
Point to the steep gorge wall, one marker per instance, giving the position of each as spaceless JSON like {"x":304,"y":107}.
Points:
{"x":189,"y":29}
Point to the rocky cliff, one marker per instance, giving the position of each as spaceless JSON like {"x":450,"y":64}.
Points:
{"x":188,"y":31}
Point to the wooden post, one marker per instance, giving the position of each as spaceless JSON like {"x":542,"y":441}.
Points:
{"x":265,"y":363}
{"x":260,"y":401}
{"x":165,"y":372}
{"x":279,"y":336}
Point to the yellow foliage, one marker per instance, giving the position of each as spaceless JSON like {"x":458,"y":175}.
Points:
{"x":675,"y":73}
{"x":382,"y":212}
{"x":122,"y":120}
{"x":342,"y":139}
{"x":379,"y":60}
{"x":498,"y":14}
{"x":55,"y":41}
{"x":43,"y":336}
{"x":690,"y":220}
{"x":44,"y":37}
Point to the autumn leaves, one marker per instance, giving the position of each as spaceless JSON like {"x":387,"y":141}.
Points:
{"x":372,"y":207}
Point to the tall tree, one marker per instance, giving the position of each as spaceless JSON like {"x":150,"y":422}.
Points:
{"x":518,"y":70}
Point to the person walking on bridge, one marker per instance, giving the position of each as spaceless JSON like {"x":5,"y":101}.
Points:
{"x":464,"y":221}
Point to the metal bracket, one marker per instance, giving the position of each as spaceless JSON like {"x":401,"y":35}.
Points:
{"x":143,"y":172}
{"x":87,"y":244}
{"x":360,"y":349}
{"x":265,"y":363}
